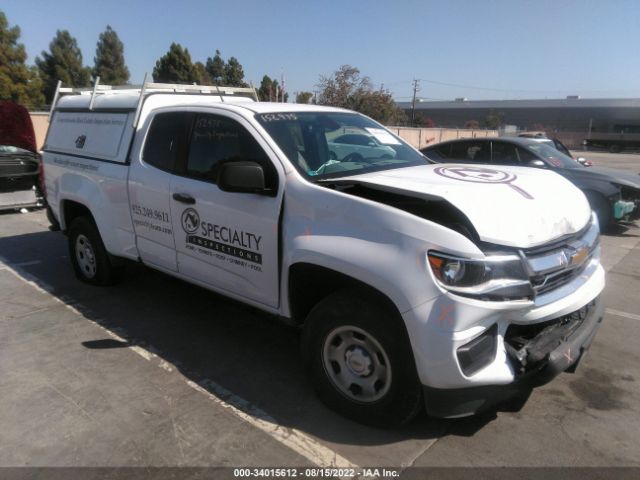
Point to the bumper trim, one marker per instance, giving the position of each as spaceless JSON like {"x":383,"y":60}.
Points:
{"x":565,"y":357}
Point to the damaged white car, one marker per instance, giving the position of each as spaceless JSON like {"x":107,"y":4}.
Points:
{"x":450,"y":287}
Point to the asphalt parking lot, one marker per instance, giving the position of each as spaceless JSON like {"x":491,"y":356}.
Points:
{"x":156,"y":372}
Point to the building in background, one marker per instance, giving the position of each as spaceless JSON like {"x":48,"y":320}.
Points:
{"x":573,"y":119}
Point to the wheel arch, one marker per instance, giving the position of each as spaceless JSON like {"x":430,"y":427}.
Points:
{"x":309,"y":283}
{"x":72,"y":209}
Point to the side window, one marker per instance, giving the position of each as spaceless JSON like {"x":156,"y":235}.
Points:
{"x":504,"y":153}
{"x":471,"y":151}
{"x":216,"y":140}
{"x":443,"y":151}
{"x":166,"y":140}
{"x":525,"y":155}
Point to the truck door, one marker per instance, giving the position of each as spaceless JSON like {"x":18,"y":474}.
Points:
{"x":149,"y":187}
{"x":224,"y":239}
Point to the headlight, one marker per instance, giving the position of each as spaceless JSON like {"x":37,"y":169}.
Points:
{"x":498,"y":277}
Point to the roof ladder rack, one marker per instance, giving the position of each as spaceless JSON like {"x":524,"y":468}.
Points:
{"x":147,"y":88}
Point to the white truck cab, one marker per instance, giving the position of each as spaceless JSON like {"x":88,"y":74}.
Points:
{"x":452,"y":287}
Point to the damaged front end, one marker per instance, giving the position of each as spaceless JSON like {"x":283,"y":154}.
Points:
{"x":545,"y":349}
{"x":537,"y":353}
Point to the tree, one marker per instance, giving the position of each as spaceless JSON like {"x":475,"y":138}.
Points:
{"x":269,"y":91}
{"x":109,"y":60}
{"x":472,"y":124}
{"x":18,"y":82}
{"x":304,"y":97}
{"x":266,"y":92}
{"x":379,"y":105}
{"x":419,"y":120}
{"x":233,"y":73}
{"x":201,"y":75}
{"x":62,"y":62}
{"x":338,"y":90}
{"x":215,"y":68}
{"x":347,"y":89}
{"x":175,"y":66}
{"x":494,"y":120}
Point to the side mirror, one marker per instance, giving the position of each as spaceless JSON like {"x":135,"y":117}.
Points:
{"x":242,"y":177}
{"x":536,"y":163}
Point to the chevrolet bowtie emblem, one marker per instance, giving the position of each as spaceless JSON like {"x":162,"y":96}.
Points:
{"x":579,"y":256}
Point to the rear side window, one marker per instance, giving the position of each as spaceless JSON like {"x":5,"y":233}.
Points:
{"x":438,"y":152}
{"x":216,"y":140}
{"x":166,"y":140}
{"x":504,"y":153}
{"x":471,"y":151}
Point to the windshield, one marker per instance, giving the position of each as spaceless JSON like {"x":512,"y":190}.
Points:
{"x":552,"y":156}
{"x":327,"y":144}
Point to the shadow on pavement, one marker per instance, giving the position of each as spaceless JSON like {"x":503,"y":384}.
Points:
{"x":209,"y":338}
{"x":621,"y":230}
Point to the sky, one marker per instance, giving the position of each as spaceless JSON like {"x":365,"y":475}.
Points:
{"x":482,"y":49}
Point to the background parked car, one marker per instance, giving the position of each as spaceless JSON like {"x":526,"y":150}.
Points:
{"x":19,"y":159}
{"x":358,"y":145}
{"x":613,"y":194}
{"x":555,"y":143}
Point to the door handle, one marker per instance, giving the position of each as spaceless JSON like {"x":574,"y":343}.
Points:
{"x":184,"y":198}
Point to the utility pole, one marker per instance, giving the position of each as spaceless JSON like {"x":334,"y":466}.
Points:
{"x":416,"y":88}
{"x":282,"y":83}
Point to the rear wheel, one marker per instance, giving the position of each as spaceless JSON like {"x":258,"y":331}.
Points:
{"x":89,"y":258}
{"x":359,"y":359}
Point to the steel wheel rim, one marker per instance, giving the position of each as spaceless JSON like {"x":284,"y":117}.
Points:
{"x":356,"y":364}
{"x":85,"y":256}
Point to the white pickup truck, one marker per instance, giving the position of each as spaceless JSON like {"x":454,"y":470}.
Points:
{"x":451,"y":288}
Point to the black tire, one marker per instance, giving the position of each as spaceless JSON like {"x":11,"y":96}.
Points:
{"x":401,"y":399}
{"x":55,"y":226}
{"x":83,"y":232}
{"x":602,"y":207}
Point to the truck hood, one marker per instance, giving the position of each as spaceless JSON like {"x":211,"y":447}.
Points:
{"x":512,"y":206}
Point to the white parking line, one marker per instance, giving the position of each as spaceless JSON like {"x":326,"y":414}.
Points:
{"x":26,"y":264}
{"x":618,"y":313}
{"x":299,"y":442}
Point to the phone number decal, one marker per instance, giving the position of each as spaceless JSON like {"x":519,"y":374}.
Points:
{"x":152,"y":213}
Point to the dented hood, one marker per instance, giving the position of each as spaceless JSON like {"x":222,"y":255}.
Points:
{"x":513,"y":206}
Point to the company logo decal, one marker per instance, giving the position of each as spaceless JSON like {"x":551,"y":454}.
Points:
{"x":220,"y":239}
{"x":481,"y":175}
{"x":190,"y":220}
{"x":80,"y":141}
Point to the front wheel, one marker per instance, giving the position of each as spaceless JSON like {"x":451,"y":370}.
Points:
{"x":359,"y":359}
{"x":89,"y":258}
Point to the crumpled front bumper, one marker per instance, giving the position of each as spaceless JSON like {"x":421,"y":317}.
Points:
{"x":564,"y":350}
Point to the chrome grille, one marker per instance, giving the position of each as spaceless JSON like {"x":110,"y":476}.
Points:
{"x":558,"y":264}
